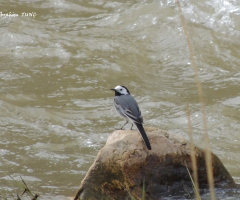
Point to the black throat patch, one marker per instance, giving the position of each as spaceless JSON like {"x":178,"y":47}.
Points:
{"x":117,"y":93}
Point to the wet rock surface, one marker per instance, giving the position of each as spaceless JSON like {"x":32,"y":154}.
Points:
{"x":124,"y":163}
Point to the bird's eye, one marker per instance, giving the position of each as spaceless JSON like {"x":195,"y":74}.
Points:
{"x":120,"y":89}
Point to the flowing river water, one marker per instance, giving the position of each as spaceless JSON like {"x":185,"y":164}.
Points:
{"x":59,"y":59}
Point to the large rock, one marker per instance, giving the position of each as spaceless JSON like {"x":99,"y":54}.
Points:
{"x":124,"y":162}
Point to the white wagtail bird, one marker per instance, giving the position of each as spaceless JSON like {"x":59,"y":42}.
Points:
{"x":128,"y":108}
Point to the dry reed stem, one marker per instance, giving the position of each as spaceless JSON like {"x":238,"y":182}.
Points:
{"x":208,"y":157}
{"x":193,"y":156}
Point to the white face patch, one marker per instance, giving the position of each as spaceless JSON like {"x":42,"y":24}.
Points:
{"x":121,"y":90}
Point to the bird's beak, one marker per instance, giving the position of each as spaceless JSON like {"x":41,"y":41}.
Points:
{"x":112,"y":89}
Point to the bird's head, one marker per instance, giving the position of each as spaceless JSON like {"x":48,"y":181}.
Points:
{"x":121,"y":90}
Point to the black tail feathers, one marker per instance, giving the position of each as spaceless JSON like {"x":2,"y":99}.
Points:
{"x":144,"y":135}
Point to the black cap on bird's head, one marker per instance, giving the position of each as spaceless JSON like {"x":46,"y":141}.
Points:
{"x":120,"y":90}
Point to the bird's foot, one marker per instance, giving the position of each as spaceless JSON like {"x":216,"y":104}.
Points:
{"x":131,"y":127}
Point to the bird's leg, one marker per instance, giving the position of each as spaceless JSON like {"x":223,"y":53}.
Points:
{"x":123,"y":125}
{"x":131,"y":126}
